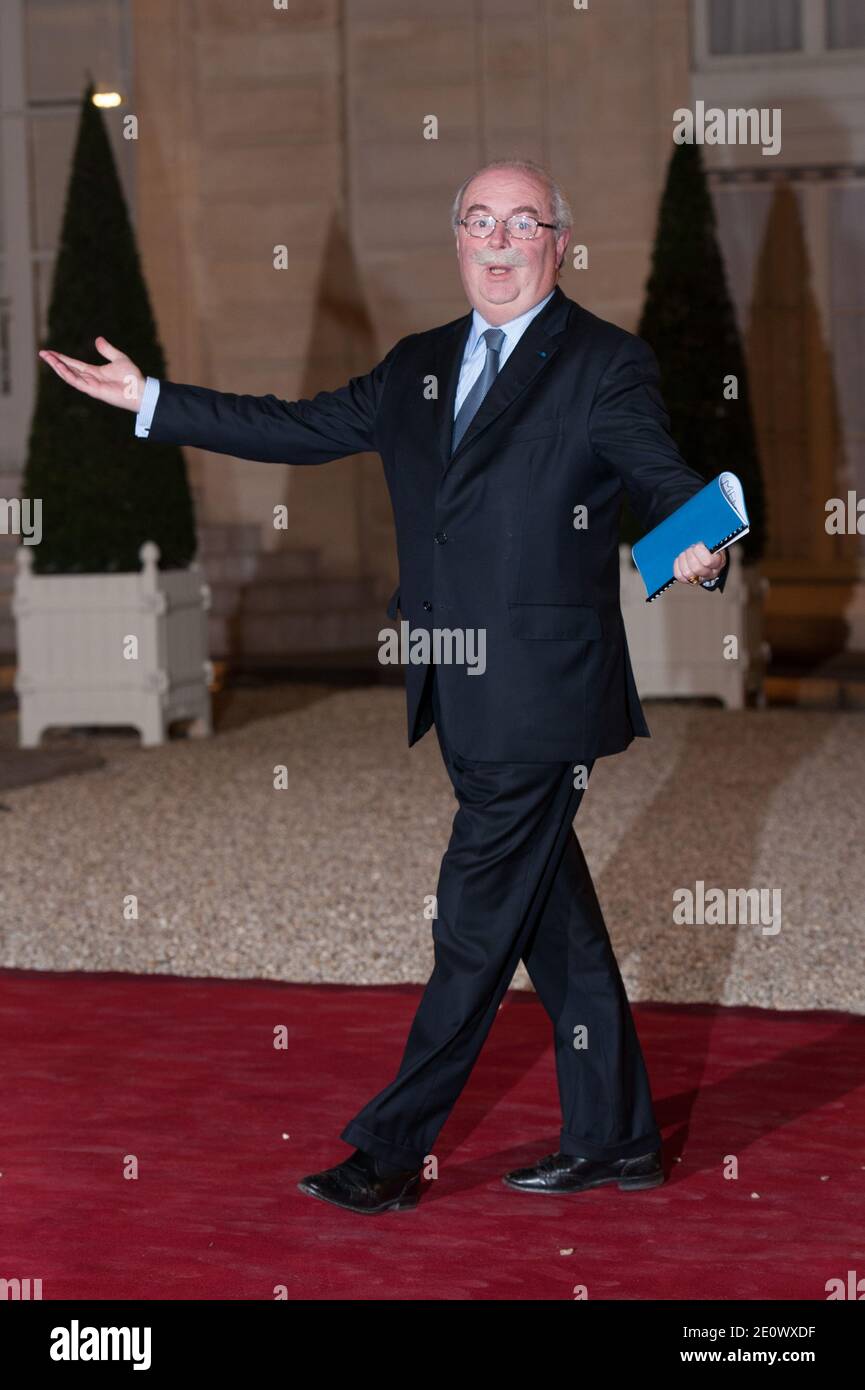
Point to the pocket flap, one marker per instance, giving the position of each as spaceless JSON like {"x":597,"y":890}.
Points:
{"x":555,"y":620}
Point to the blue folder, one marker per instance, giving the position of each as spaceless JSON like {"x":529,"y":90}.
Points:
{"x":715,"y":515}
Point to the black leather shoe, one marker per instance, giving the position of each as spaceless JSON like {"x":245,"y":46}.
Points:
{"x":569,"y":1173}
{"x":361,"y":1183}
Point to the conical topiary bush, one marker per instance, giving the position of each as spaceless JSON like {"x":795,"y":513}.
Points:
{"x":689,"y":321}
{"x":103,"y":491}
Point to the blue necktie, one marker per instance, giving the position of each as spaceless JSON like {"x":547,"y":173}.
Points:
{"x":493,"y":337}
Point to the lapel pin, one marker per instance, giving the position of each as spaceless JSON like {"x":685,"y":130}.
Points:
{"x":542,"y":354}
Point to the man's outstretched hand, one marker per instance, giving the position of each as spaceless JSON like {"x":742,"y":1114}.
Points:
{"x":119,"y":382}
{"x":698,"y":562}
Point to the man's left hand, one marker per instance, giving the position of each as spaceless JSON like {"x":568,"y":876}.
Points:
{"x":697,"y":562}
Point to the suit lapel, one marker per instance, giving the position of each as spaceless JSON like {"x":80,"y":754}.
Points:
{"x":447,"y":361}
{"x":534,"y":351}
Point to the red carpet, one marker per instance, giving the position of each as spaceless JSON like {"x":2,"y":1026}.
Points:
{"x":183,"y":1075}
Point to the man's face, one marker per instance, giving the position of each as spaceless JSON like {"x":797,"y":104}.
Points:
{"x":503,"y":276}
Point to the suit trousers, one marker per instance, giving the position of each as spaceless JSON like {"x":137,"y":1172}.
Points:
{"x":514,"y":884}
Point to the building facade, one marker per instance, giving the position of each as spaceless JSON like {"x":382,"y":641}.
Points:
{"x":290,"y":185}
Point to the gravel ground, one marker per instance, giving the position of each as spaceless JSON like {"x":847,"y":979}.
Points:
{"x":325,"y":880}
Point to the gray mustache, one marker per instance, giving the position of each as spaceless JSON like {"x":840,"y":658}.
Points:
{"x":490,"y":257}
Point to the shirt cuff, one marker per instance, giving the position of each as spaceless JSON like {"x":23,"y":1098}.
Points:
{"x":149,"y":397}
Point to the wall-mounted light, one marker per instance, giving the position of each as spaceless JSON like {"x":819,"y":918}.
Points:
{"x":107,"y":98}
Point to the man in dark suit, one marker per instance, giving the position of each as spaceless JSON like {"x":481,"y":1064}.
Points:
{"x":498,"y":433}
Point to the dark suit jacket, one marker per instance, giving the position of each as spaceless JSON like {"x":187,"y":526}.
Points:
{"x":486,"y":538}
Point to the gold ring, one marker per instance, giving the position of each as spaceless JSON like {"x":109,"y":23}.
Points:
{"x":694,"y":579}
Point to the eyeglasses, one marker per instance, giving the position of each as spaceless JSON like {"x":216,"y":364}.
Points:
{"x":520,"y":226}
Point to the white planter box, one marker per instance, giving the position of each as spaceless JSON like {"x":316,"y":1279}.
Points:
{"x":72,"y":633}
{"x":677,"y":644}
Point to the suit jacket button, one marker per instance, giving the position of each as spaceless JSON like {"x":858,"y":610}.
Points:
{"x":427,"y":605}
{"x":441,"y":537}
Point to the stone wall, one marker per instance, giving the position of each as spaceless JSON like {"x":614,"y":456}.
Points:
{"x":304,"y":126}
